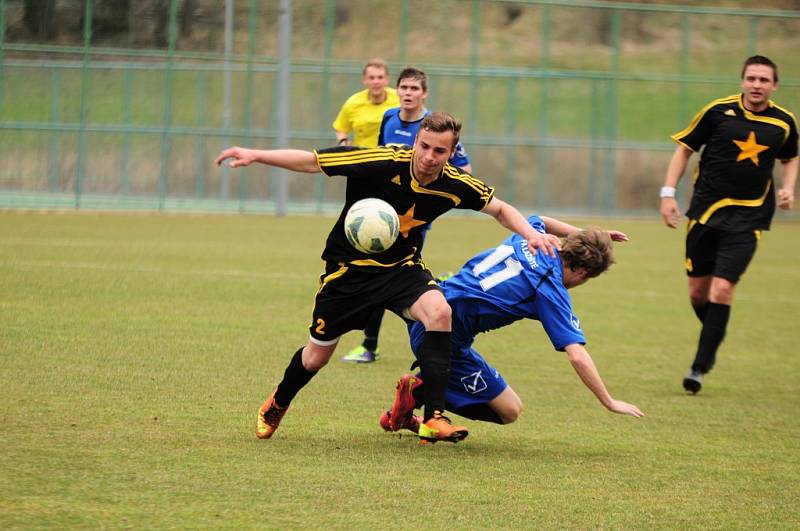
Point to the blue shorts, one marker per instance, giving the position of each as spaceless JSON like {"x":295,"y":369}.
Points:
{"x":472,"y":380}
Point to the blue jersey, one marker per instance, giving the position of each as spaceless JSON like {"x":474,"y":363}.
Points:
{"x":395,"y":131}
{"x":508,"y":283}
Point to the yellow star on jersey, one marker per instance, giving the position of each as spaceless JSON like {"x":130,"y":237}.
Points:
{"x":750,"y":148}
{"x":407,"y":221}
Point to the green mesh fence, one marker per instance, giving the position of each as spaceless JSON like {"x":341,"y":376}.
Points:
{"x":567,"y":106}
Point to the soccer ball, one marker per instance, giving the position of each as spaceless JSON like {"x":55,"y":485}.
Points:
{"x":371,"y":225}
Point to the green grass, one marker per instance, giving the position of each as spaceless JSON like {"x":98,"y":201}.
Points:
{"x":135,"y":351}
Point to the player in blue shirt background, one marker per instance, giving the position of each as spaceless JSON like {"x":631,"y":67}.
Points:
{"x":400,"y":126}
{"x":496,"y":288}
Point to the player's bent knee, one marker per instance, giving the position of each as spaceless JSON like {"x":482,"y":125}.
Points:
{"x":507,"y":405}
{"x":316,"y":357}
{"x":439,"y":317}
{"x":722,"y":291}
{"x":698,"y":300}
{"x":699,"y":290}
{"x":511,"y":414}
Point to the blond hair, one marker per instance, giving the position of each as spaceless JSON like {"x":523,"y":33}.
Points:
{"x":376,"y":62}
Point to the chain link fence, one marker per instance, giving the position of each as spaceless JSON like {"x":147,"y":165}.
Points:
{"x":567,"y":106}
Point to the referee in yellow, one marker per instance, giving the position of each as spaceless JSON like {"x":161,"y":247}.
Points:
{"x":363,"y":111}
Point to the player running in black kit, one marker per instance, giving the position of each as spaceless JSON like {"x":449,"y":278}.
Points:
{"x":733,"y":198}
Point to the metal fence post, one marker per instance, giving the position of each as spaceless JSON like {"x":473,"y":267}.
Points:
{"x":511,"y":126}
{"x":2,"y":49}
{"x":613,"y":109}
{"x":543,"y":154}
{"x":752,"y":35}
{"x":473,"y":61}
{"x":683,"y":105}
{"x":200,"y":143}
{"x":166,"y":136}
{"x":594,"y":156}
{"x":87,"y":39}
{"x":126,"y":138}
{"x":244,"y":175}
{"x":325,"y":113}
{"x":54,"y":135}
{"x":284,"y":51}
{"x":226,"y":97}
{"x":403,"y":31}
{"x":684,"y":70}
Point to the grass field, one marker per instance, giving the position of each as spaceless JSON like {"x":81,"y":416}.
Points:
{"x":135,"y":351}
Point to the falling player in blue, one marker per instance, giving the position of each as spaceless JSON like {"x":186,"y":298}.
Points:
{"x":496,"y":288}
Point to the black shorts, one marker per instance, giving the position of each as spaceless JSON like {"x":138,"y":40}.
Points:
{"x":711,"y":251}
{"x":348,"y":295}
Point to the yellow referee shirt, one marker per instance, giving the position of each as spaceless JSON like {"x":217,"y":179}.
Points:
{"x":360,"y":115}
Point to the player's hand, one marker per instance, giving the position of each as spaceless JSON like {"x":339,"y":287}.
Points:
{"x":670,"y":211}
{"x":618,"y":236}
{"x":547,"y":243}
{"x":624,"y":408}
{"x":241,"y":156}
{"x":785,"y":199}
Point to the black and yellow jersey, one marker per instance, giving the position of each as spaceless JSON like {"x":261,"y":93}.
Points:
{"x":387,"y":173}
{"x":733,"y":187}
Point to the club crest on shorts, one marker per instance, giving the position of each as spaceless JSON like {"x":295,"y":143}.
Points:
{"x":474,"y":383}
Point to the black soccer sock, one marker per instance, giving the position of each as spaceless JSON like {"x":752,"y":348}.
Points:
{"x":701,"y":310}
{"x":711,"y":336}
{"x":434,"y":362}
{"x":294,"y":378}
{"x":373,"y":329}
{"x":478,"y":412}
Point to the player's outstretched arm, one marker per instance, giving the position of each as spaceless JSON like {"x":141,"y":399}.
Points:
{"x":290,"y":159}
{"x":563,"y":229}
{"x":587,"y":371}
{"x":557,"y":227}
{"x":669,"y":205}
{"x":510,"y":218}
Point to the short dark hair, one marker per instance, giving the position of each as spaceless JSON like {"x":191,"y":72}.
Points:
{"x":410,"y":72}
{"x":590,"y":249}
{"x":441,"y":122}
{"x":761,"y":60}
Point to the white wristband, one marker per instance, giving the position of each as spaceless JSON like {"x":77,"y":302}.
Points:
{"x":667,"y":191}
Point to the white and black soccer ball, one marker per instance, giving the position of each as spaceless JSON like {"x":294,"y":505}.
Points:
{"x":371,"y":225}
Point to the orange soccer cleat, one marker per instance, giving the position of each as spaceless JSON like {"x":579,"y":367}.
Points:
{"x":269,"y":417}
{"x":439,"y":428}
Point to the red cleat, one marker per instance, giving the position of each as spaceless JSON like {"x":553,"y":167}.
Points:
{"x":404,"y":404}
{"x":412,"y":423}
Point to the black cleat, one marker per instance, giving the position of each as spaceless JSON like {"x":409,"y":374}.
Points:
{"x":693,"y":381}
